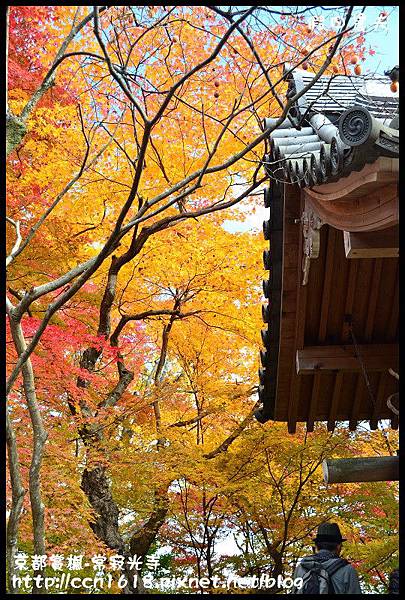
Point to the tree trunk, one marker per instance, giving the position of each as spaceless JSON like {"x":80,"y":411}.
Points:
{"x":17,"y":499}
{"x":39,"y":439}
{"x":95,"y":481}
{"x":15,"y":132}
{"x":96,"y":486}
{"x":144,"y":537}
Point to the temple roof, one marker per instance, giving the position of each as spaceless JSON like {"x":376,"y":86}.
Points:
{"x":331,"y":329}
{"x":337,"y":127}
{"x":333,"y":94}
{"x":318,"y":334}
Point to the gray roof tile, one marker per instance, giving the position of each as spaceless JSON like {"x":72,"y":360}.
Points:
{"x":315,"y":152}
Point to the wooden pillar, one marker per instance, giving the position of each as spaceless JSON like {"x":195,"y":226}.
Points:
{"x":353,"y":470}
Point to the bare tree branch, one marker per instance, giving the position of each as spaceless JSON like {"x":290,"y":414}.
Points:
{"x":14,"y":251}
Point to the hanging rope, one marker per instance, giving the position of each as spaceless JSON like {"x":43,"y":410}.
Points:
{"x":390,"y":404}
{"x":395,"y":396}
{"x":363,"y":368}
{"x":365,"y":376}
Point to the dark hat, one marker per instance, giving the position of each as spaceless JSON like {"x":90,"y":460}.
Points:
{"x":329,"y":532}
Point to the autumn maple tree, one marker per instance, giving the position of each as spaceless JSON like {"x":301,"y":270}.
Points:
{"x":134,"y":135}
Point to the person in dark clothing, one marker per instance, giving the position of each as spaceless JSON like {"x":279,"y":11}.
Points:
{"x":324,"y":572}
{"x":393,"y":585}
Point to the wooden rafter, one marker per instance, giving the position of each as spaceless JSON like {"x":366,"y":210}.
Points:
{"x":302,"y":294}
{"x":372,"y":305}
{"x":337,"y":390}
{"x":357,"y":402}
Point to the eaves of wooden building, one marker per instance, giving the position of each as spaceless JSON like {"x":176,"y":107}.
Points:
{"x":331,"y":318}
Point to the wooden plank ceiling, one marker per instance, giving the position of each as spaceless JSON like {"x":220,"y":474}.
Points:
{"x":342,"y":295}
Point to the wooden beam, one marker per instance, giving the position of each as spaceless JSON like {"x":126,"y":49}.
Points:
{"x":316,"y":389}
{"x":301,"y":295}
{"x":353,"y":470}
{"x":337,"y":390}
{"x":323,"y":323}
{"x":392,"y":329}
{"x":377,"y":209}
{"x":357,"y":400}
{"x":372,"y":303}
{"x":327,"y":284}
{"x":372,"y":175}
{"x":379,"y":401}
{"x":295,"y":388}
{"x":383,"y":243}
{"x":293,"y":404}
{"x":376,"y":357}
{"x":351,"y":288}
